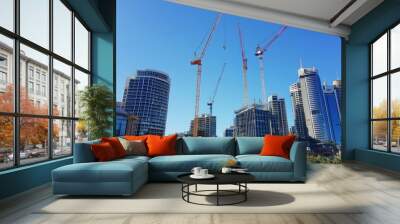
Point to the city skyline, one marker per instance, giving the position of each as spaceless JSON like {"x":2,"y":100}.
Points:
{"x":281,"y":62}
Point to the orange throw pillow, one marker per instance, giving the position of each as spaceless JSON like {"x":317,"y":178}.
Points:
{"x":277,"y":145}
{"x":116,"y":145}
{"x":161,"y":146}
{"x":135,"y":137}
{"x":103,"y":152}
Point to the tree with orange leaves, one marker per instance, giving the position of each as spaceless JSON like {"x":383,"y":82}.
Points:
{"x":33,"y":131}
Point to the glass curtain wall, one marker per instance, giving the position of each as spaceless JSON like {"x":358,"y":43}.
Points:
{"x":385,"y":94}
{"x":44,"y":64}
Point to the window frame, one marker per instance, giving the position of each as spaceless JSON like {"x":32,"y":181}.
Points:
{"x":16,"y":114}
{"x":388,"y":74}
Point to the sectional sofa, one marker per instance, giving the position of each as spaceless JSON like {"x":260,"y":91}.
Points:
{"x":125,"y":176}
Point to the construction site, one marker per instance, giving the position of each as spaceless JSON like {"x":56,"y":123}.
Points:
{"x":252,"y":119}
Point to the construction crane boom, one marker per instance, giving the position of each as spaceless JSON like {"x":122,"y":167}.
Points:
{"x":259,"y":54}
{"x":244,"y":69}
{"x":212,"y":99}
{"x":198,"y":61}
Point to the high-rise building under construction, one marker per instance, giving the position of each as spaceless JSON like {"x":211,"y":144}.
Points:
{"x":276,"y":106}
{"x":253,"y":120}
{"x":207,"y":126}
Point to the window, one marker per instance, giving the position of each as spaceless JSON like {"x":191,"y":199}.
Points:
{"x":3,"y":61}
{"x":81,"y":81}
{"x":45,"y":107}
{"x":35,"y":21}
{"x":62,"y":137}
{"x":6,"y":74}
{"x":37,"y":89}
{"x":30,"y":87}
{"x":81,"y":45}
{"x":62,"y":29}
{"x":3,"y":78}
{"x":43,"y":90}
{"x":385,"y":96}
{"x":30,"y":72}
{"x":7,"y":14}
{"x":62,"y":74}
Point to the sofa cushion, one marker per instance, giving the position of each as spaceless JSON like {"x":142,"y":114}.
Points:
{"x":136,"y":137}
{"x":275,"y":145}
{"x":249,"y":145}
{"x":103,"y":152}
{"x":111,"y":171}
{"x":207,"y":145}
{"x":161,"y":145}
{"x":257,"y":163}
{"x":134,"y":147}
{"x":116,"y":145}
{"x":185,"y":163}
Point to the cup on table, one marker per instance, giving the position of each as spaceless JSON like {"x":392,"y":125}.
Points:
{"x":196,"y":171}
{"x":203,"y":172}
{"x":226,"y":170}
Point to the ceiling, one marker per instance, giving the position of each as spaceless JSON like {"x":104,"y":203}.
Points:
{"x":327,"y":16}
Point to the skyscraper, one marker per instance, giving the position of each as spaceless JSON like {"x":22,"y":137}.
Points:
{"x":253,"y":120}
{"x":300,"y":127}
{"x":332,"y":104}
{"x":278,"y":110}
{"x":207,"y":126}
{"x":313,"y":104}
{"x":146,"y":96}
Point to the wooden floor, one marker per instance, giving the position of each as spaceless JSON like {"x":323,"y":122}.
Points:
{"x":378,"y":189}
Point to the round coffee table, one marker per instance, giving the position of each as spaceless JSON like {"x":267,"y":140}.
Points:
{"x":238,"y":179}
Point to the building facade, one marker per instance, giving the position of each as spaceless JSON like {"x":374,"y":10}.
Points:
{"x":254,"y":120}
{"x":300,"y":127}
{"x":146,"y":96}
{"x":314,"y":104}
{"x":277,"y":108}
{"x":207,"y":126}
{"x":229,"y":132}
{"x":332,"y":105}
{"x":34,"y":90}
{"x":121,"y":121}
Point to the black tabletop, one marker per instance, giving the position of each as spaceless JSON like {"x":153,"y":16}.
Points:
{"x":220,"y":178}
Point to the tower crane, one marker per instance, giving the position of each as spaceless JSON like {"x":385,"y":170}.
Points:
{"x":211,"y":101}
{"x":244,"y":70}
{"x":260,"y":55}
{"x":198,"y":61}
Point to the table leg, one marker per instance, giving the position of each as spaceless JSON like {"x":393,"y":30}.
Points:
{"x":217,"y":194}
{"x":245,"y":193}
{"x":195,"y":188}
{"x":188,"y":190}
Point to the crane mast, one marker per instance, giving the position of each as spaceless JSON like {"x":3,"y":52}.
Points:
{"x":211,"y":101}
{"x":198,"y":61}
{"x":244,"y":70}
{"x":260,"y":55}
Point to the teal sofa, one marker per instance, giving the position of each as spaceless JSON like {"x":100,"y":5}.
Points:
{"x":125,"y":176}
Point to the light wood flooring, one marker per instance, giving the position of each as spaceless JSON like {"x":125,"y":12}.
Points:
{"x":354,"y":182}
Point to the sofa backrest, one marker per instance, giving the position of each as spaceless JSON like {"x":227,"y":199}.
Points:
{"x":249,"y":145}
{"x":83,"y":152}
{"x":206,"y":145}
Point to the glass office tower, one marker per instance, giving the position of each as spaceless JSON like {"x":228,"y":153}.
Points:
{"x":146,"y":96}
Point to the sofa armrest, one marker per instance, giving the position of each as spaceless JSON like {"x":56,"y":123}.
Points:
{"x":298,"y":156}
{"x":83,"y":152}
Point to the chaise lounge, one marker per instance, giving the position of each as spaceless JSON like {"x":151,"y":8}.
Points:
{"x":125,"y":176}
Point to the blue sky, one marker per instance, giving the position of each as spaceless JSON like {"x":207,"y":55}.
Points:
{"x":160,"y":35}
